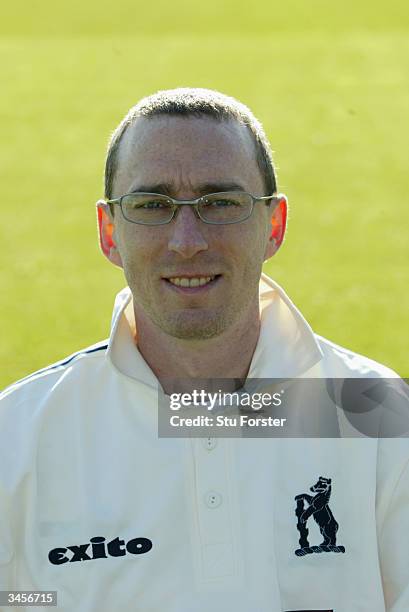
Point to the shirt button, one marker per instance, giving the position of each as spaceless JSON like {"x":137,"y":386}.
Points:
{"x":209,"y":443}
{"x":213,"y":499}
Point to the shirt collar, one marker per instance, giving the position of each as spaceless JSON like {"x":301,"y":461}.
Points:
{"x":286,"y":348}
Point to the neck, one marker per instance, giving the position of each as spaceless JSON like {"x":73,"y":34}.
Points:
{"x":227,"y":356}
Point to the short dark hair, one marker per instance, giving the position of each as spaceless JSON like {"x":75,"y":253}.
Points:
{"x":194,"y":102}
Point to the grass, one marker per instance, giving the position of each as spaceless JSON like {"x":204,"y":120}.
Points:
{"x":330,"y":83}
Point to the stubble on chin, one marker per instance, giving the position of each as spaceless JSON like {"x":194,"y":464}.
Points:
{"x":194,"y":325}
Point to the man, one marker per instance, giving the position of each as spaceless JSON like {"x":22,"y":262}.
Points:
{"x":94,"y":505}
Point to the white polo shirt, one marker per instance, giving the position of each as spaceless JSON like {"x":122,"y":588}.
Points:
{"x":94,"y":505}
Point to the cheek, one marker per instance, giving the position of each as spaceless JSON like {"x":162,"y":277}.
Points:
{"x":249,"y":242}
{"x":138,"y":250}
{"x":135,"y":238}
{"x":236,"y":240}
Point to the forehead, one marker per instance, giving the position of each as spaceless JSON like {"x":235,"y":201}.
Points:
{"x":185,"y":151}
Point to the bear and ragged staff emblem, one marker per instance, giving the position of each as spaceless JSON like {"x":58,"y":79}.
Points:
{"x":318,"y":508}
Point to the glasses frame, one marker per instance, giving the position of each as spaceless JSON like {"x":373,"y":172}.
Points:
{"x":176,"y":204}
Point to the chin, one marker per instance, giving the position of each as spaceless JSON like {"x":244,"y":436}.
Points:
{"x":194,"y":325}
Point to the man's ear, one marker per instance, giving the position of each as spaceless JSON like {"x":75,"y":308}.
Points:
{"x":106,"y":234}
{"x":278,"y":224}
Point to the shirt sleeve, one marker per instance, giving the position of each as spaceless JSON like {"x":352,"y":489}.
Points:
{"x":393,"y":522}
{"x":8,"y":460}
{"x":6,"y":546}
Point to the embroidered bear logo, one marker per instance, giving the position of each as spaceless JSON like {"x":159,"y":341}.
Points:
{"x":318,"y":508}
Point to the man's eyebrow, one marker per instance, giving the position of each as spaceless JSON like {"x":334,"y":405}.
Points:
{"x":201,"y":189}
{"x":216,"y":187}
{"x":164,"y":188}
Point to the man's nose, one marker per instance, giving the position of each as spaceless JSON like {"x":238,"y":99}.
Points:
{"x":186,"y":233}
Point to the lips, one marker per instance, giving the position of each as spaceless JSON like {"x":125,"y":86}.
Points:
{"x":192,"y":282}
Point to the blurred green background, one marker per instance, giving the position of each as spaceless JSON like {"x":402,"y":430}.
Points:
{"x":330,"y":82}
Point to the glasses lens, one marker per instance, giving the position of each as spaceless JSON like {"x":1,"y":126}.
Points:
{"x":147,"y":208}
{"x":229,"y":207}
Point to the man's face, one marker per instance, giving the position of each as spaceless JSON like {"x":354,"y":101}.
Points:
{"x":186,"y":158}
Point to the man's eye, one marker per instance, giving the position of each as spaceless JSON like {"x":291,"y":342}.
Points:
{"x":222,"y":203}
{"x":152,"y":205}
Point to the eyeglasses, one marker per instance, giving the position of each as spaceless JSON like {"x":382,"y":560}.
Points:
{"x":215,"y":208}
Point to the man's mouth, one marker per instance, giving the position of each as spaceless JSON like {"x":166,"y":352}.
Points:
{"x":195,"y":281}
{"x":192,"y":282}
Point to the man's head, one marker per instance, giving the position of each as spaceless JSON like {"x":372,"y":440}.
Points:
{"x":185,"y":144}
{"x":193,"y":102}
